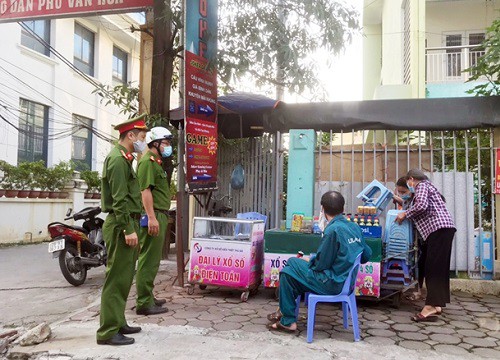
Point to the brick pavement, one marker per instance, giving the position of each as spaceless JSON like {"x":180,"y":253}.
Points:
{"x":469,"y":325}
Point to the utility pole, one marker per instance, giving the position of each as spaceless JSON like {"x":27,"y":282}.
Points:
{"x":161,"y":81}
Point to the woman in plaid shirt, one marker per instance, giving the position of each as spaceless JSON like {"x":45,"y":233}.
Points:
{"x":433,"y":221}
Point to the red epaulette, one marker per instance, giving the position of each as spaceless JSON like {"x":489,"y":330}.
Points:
{"x":127,"y":156}
{"x":152,"y":158}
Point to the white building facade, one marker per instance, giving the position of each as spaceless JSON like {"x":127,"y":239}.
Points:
{"x":419,"y":48}
{"x":48,"y":111}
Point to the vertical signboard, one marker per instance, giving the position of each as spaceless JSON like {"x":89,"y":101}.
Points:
{"x":200,"y":94}
{"x":497,"y":173}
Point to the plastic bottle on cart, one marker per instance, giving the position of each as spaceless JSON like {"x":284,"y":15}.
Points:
{"x":375,"y":222}
{"x":361,"y":221}
{"x":348,"y":217}
{"x":369,"y":221}
{"x":355,"y":219}
{"x":316,"y":229}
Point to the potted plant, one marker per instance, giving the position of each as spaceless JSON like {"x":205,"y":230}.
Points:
{"x":24,"y":179}
{"x":40,"y":179}
{"x":3,"y":166}
{"x":9,"y":181}
{"x":93,"y":182}
{"x":57,"y":177}
{"x":62,"y":174}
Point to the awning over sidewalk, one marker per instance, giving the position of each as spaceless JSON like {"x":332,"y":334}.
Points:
{"x":240,"y":114}
{"x":407,"y":114}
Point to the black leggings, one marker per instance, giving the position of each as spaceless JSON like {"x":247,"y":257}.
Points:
{"x":437,"y":266}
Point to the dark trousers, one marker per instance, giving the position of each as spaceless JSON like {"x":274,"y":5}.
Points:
{"x":422,"y":255}
{"x":437,"y":266}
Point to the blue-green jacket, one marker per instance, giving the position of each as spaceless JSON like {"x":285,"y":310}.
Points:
{"x":326,"y":273}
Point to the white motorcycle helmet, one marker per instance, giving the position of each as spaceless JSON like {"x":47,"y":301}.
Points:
{"x":158,"y":133}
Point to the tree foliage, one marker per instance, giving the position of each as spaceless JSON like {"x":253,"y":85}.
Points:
{"x":488,"y":65}
{"x":258,"y":38}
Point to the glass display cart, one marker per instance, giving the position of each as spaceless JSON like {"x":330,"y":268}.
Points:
{"x":228,"y":253}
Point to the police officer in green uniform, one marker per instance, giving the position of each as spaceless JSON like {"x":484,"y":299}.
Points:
{"x":155,"y":193}
{"x":326,"y":273}
{"x":121,"y":199}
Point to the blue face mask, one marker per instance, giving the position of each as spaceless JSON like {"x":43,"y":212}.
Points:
{"x":406,"y":197}
{"x":167,"y":151}
{"x":411,"y":188}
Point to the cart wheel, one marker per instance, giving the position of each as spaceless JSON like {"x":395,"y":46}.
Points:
{"x":190,"y":290}
{"x":203,"y":287}
{"x":244,"y":296}
{"x":396,"y":300}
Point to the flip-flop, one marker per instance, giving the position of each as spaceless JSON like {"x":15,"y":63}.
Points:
{"x":275,"y":316}
{"x":421,"y":318}
{"x":280,"y":328}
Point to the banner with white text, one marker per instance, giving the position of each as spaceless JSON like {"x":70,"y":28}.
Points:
{"x":22,"y":10}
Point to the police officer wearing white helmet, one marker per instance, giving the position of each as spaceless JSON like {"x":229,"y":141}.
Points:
{"x":155,"y":192}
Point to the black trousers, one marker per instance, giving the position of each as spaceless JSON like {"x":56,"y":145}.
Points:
{"x":437,"y":266}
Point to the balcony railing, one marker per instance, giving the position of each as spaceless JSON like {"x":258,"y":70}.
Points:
{"x":446,"y":64}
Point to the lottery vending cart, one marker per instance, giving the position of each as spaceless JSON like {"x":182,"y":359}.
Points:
{"x":228,"y":253}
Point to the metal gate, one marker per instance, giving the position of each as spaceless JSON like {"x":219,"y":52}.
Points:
{"x":259,"y":157}
{"x":459,"y":163}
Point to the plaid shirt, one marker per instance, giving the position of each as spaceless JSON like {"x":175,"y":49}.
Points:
{"x":428,"y":210}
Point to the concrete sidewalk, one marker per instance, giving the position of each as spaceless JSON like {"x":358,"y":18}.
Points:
{"x":214,"y":324}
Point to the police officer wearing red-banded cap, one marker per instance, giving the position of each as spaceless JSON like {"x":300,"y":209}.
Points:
{"x":121,"y":198}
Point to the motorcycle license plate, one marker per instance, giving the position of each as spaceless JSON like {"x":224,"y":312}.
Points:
{"x":57,"y":245}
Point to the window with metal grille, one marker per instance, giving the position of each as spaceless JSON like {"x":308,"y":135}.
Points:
{"x":120,"y":65}
{"x":33,"y":131}
{"x":453,"y":57}
{"x":81,"y":143}
{"x":40,"y":28}
{"x":83,"y":57}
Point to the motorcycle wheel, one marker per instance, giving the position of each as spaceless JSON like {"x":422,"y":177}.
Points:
{"x":75,"y":276}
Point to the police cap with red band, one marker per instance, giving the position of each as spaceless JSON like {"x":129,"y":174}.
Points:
{"x":131,"y":124}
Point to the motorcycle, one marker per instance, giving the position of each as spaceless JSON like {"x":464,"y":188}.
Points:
{"x":78,"y":247}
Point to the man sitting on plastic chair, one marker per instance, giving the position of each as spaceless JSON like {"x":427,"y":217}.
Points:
{"x":325,"y":273}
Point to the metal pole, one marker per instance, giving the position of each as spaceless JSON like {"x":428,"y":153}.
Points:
{"x":455,"y":253}
{"x":480,"y":203}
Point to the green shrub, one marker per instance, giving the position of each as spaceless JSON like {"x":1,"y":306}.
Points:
{"x":92,"y":179}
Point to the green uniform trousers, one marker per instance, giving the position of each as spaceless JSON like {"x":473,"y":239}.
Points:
{"x":296,"y":279}
{"x":149,"y":261}
{"x":120,"y":270}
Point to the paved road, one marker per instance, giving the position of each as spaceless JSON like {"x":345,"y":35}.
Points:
{"x":33,"y":289}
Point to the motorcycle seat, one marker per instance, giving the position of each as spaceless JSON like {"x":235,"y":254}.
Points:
{"x":74,"y":227}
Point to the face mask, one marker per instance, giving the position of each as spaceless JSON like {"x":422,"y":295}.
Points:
{"x":405,"y":197}
{"x":411,"y":188}
{"x":322,"y":221}
{"x":167,"y":151}
{"x":139,"y":146}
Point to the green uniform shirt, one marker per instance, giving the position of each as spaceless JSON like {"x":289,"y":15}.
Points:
{"x":342,"y":242}
{"x":120,"y":192}
{"x":151,"y":175}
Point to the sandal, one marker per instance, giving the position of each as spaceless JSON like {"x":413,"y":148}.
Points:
{"x":421,"y":318}
{"x":274,"y":317}
{"x":277,"y":326}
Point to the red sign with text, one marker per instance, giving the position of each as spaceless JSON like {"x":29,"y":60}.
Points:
{"x":19,"y":10}
{"x":201,"y":152}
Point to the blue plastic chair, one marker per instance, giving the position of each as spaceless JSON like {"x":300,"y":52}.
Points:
{"x":348,"y":298}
